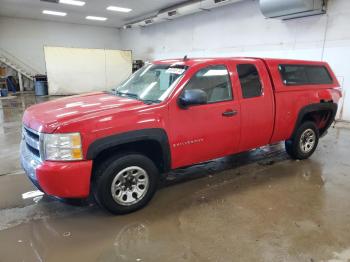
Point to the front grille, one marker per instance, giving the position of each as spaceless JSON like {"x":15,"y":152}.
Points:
{"x":34,"y":151}
{"x":32,"y":140}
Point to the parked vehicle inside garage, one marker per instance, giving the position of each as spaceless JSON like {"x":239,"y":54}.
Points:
{"x":171,"y":114}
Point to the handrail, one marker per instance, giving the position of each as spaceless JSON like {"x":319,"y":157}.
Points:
{"x":18,"y":62}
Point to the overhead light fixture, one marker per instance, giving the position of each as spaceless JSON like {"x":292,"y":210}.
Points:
{"x":72,"y":2}
{"x":119,"y":9}
{"x":48,"y":12}
{"x":97,"y":18}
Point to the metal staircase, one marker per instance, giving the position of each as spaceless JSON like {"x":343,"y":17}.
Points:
{"x":21,"y":68}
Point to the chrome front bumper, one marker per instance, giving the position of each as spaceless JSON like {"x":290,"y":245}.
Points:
{"x":29,"y":163}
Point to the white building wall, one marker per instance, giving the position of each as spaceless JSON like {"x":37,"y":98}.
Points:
{"x":241,"y":30}
{"x":25,"y":38}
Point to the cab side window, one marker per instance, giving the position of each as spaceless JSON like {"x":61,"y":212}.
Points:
{"x":305,"y":75}
{"x":250,"y":80}
{"x":215,"y":81}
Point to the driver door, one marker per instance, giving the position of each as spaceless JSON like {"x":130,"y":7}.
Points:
{"x":203,"y":132}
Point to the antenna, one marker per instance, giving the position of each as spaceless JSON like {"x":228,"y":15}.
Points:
{"x":185,"y":58}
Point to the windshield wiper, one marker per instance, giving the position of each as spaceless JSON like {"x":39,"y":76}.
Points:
{"x":126,"y":94}
{"x":146,"y":101}
{"x":150,"y":101}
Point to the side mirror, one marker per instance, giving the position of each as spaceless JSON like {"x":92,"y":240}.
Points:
{"x":193,"y":97}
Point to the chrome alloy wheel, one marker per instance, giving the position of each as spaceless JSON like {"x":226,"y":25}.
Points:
{"x":307,"y":140}
{"x":130,"y":185}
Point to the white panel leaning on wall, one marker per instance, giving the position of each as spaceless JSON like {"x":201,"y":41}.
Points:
{"x":80,"y":70}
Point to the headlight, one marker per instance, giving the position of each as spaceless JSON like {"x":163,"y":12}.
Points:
{"x":62,"y":147}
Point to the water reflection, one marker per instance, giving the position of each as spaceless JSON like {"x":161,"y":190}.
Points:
{"x":11,"y":110}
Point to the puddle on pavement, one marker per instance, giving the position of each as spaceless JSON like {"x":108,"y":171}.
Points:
{"x":11,"y":111}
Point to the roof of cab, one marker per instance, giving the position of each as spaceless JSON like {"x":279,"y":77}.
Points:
{"x":196,"y":61}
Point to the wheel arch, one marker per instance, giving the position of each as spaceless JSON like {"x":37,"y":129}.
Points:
{"x":323,"y":114}
{"x":152,"y":142}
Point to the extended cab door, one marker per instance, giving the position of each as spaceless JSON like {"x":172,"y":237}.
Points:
{"x":256,"y":102}
{"x":202,"y":132}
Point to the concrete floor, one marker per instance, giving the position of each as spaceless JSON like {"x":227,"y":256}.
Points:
{"x":256,"y":206}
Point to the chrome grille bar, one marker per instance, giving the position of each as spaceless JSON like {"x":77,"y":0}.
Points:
{"x":32,"y":140}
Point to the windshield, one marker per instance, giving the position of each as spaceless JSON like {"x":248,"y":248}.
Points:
{"x":152,"y":83}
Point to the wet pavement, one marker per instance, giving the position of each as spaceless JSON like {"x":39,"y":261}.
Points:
{"x":255,"y":206}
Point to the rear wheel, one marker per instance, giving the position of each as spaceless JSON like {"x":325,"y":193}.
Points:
{"x":303,"y":144}
{"x":126,"y":183}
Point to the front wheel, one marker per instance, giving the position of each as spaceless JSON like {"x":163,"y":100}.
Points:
{"x":123,"y":184}
{"x":303,"y":144}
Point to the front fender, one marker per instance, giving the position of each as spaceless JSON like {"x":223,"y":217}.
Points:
{"x":155,"y":134}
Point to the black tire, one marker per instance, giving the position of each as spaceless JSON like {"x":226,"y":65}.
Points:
{"x":106,"y":172}
{"x":293,"y":145}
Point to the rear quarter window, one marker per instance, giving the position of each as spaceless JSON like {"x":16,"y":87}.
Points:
{"x":304,"y":75}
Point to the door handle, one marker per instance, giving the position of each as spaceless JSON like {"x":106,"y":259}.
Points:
{"x":229,"y":113}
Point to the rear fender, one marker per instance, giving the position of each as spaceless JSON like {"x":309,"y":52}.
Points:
{"x":325,"y":105}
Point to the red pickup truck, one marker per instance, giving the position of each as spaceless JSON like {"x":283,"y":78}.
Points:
{"x":171,"y":114}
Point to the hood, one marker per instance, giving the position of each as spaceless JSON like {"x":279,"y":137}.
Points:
{"x":46,"y":117}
